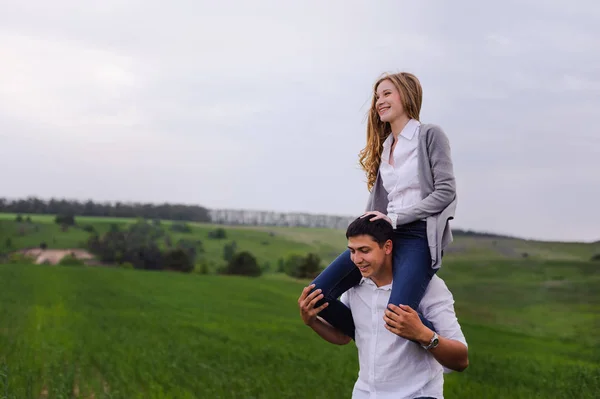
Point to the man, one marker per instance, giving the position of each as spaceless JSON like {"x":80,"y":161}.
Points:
{"x":391,"y":363}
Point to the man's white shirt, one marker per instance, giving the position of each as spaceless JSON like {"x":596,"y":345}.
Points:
{"x":391,"y":366}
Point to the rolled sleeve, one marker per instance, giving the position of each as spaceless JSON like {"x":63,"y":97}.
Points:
{"x":439,"y":309}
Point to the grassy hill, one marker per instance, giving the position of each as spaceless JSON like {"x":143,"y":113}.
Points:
{"x":269,"y":244}
{"x":111,"y":333}
{"x":531,"y":321}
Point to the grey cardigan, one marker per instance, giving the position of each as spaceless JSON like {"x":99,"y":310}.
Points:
{"x":438,"y":192}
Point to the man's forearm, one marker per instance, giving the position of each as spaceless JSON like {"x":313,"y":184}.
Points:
{"x":329,"y":333}
{"x":449,"y":353}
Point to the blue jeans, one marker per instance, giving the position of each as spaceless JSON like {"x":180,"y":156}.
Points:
{"x":412,"y":273}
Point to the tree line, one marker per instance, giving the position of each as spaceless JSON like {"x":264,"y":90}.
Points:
{"x":33,"y":205}
{"x":183,"y":212}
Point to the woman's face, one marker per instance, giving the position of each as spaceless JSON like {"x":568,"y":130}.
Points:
{"x":389,"y":103}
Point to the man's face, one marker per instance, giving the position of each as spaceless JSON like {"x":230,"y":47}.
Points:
{"x":367,"y":255}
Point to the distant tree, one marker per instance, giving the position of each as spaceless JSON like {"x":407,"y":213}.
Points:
{"x":266,"y":268}
{"x":218,"y":234}
{"x":136,"y":245}
{"x":190,"y":247}
{"x":243,"y":264}
{"x":65,"y":219}
{"x":19,"y":218}
{"x":43,"y":245}
{"x":307,"y":266}
{"x":178,"y":260}
{"x":291,"y":264}
{"x":54,"y":206}
{"x":89,"y":228}
{"x":28,"y":219}
{"x":595,"y":258}
{"x":229,"y":250}
{"x":8,"y":243}
{"x":181,"y":227}
{"x":148,"y":257}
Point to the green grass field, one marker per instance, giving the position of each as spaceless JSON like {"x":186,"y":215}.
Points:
{"x":133,"y":334}
{"x":93,"y":332}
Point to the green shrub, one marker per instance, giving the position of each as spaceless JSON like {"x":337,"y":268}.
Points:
{"x":229,"y":250}
{"x":243,"y":264}
{"x":266,"y":267}
{"x":20,"y":258}
{"x":89,"y":228}
{"x":203,"y":268}
{"x":70,"y":260}
{"x":65,"y":220}
{"x":178,"y":260}
{"x":181,"y":227}
{"x":218,"y":234}
{"x":299,"y":266}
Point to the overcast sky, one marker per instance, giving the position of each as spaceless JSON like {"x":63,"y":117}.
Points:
{"x":262,"y":104}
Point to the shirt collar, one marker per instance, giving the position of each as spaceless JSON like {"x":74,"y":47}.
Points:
{"x":371,"y":283}
{"x":408,"y":132}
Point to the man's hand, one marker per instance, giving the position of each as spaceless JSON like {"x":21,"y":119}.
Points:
{"x":378,"y":215}
{"x":308,"y":312}
{"x":405,"y":322}
{"x":307,"y":304}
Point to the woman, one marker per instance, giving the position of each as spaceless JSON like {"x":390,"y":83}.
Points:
{"x":412,"y":186}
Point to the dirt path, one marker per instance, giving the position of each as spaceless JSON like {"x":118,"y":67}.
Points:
{"x":53,"y":256}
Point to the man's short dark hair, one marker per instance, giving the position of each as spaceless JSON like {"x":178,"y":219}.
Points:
{"x":380,"y":230}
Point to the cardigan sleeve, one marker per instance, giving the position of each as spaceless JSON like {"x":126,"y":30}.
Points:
{"x":444,"y":183}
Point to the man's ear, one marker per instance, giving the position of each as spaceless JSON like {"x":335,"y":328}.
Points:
{"x":388,"y":247}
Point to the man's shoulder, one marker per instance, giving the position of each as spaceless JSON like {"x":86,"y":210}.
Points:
{"x":437,"y":285}
{"x":437,"y":292}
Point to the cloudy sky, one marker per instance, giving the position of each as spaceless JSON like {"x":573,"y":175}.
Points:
{"x":261,"y":104}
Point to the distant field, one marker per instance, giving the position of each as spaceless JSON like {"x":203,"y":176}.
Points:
{"x":269,"y":244}
{"x":110,"y":333}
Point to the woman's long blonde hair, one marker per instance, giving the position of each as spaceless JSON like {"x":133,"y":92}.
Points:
{"x":411,"y":94}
